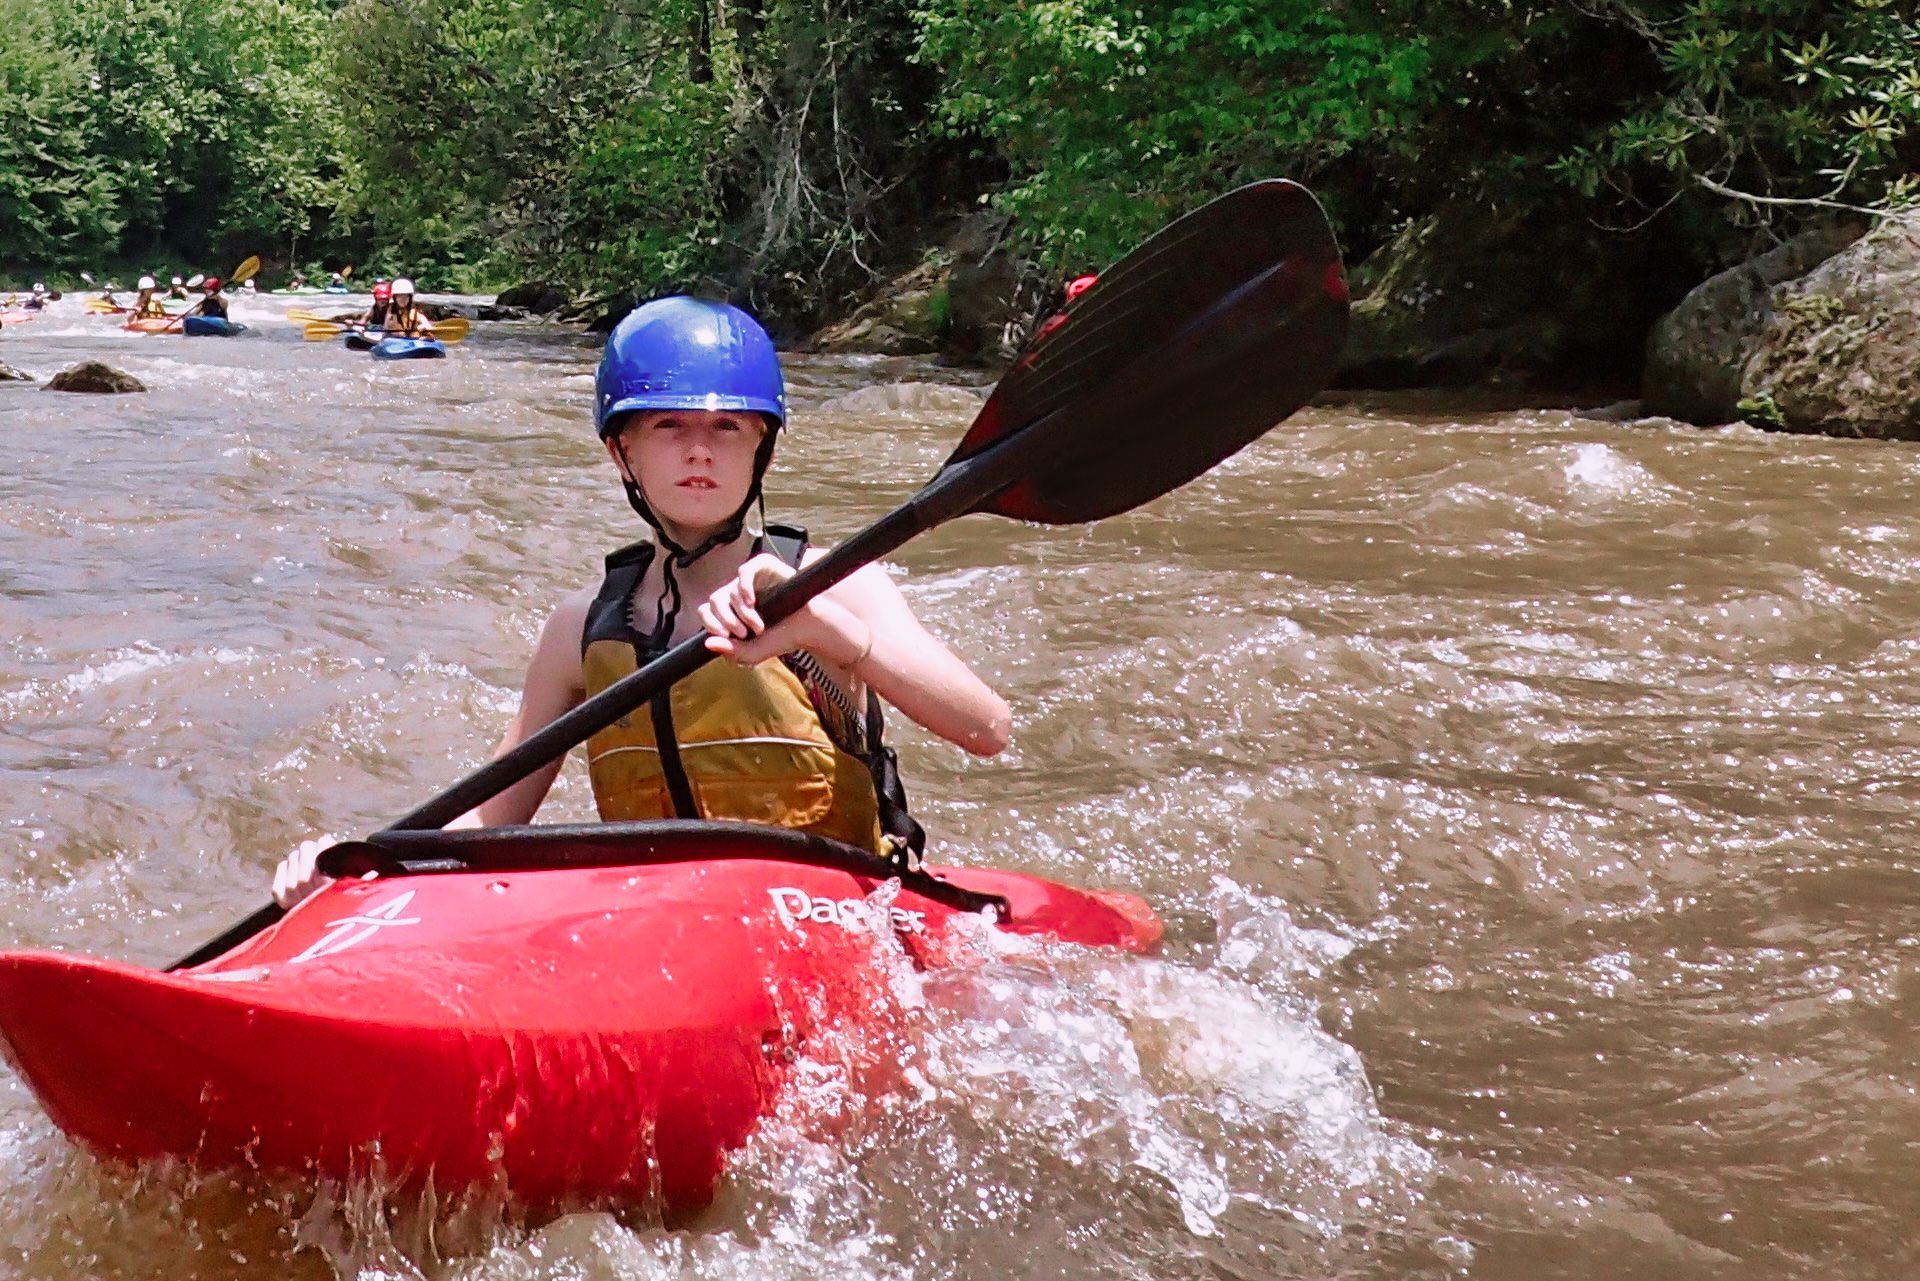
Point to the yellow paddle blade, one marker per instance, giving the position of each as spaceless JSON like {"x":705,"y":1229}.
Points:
{"x":452,"y":329}
{"x":301,"y":316}
{"x":245,"y":271}
{"x":346,"y":272}
{"x":320,"y":331}
{"x":100,"y":306}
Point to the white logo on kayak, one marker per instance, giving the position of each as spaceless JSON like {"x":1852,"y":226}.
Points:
{"x":795,"y":906}
{"x":349,"y":930}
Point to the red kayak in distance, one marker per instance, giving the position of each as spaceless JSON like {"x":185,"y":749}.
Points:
{"x":584,"y":1014}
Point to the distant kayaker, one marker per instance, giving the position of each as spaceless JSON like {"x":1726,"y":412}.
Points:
{"x":403,"y":319}
{"x":215,"y":302}
{"x":178,"y":289}
{"x":145,"y":305}
{"x":689,"y":403}
{"x":37,"y":299}
{"x":296,"y":281}
{"x":337,"y":281}
{"x":376,"y":315}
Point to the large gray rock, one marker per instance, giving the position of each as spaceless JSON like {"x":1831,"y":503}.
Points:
{"x":1697,"y":354}
{"x":1471,"y":295}
{"x":904,"y":318}
{"x":984,"y":289}
{"x":964,"y":298}
{"x":1840,"y":351}
{"x":92,"y":376}
{"x":537,"y":296}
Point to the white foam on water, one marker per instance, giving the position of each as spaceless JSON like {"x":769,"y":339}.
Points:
{"x":123,"y":664}
{"x":1597,"y":471}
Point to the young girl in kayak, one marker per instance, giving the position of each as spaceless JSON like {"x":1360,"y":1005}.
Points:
{"x":689,"y":403}
{"x":402,"y":318}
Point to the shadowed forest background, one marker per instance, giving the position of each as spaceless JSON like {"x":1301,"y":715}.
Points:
{"x":790,"y":152}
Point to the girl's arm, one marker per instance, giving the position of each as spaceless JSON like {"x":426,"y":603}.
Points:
{"x":865,"y":631}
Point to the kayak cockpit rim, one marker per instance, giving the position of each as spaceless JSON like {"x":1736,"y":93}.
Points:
{"x":551,"y":846}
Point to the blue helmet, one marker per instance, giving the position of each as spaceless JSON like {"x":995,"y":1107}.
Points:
{"x":687,"y":353}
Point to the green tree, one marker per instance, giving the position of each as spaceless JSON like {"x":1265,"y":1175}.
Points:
{"x":55,"y":202}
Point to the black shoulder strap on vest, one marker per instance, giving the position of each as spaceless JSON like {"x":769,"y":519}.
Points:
{"x":908,"y":838}
{"x":610,"y":617}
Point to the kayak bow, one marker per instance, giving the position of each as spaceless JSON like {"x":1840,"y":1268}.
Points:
{"x":408,"y":349}
{"x":210,"y":327}
{"x":608,"y":1017}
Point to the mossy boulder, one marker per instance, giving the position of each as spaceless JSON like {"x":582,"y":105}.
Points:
{"x":1839,"y":353}
{"x":1697,"y":354}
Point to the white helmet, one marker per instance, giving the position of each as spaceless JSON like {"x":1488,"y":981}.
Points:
{"x":147,"y":282}
{"x":178,"y":281}
{"x":403,"y":286}
{"x":39,"y":288}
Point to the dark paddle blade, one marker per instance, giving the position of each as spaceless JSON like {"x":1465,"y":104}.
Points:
{"x":1188,"y":349}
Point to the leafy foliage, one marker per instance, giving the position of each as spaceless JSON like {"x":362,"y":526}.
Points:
{"x":785,"y":150}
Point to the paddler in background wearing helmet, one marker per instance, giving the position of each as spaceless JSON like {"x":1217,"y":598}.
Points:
{"x":145,"y":305}
{"x":689,"y":403}
{"x":37,"y":299}
{"x":376,"y":314}
{"x":403,"y":318}
{"x":214,"y":304}
{"x":178,"y":289}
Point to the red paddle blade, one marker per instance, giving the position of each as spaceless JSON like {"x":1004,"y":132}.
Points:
{"x":1187,"y":350}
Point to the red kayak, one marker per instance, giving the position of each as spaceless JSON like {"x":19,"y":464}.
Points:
{"x":590,"y":1012}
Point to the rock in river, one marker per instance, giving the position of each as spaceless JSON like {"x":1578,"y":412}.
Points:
{"x":92,"y":376}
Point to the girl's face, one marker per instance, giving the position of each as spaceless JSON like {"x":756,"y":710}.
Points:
{"x":694,"y":466}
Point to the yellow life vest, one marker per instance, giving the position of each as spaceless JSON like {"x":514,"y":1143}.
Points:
{"x":777,"y":743}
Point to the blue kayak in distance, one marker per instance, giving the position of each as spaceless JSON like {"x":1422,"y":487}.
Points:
{"x":363,"y":339}
{"x":210,"y":327}
{"x":409,"y":349}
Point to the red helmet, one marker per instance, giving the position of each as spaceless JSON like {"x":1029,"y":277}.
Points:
{"x":210,"y":285}
{"x":382,"y":291}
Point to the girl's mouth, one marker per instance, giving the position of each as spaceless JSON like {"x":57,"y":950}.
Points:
{"x":697,"y":482}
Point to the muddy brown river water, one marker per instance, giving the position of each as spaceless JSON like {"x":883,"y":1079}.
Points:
{"x":1531,"y":800}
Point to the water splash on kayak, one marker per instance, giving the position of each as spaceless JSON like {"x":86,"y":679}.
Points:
{"x":1023,"y":1090}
